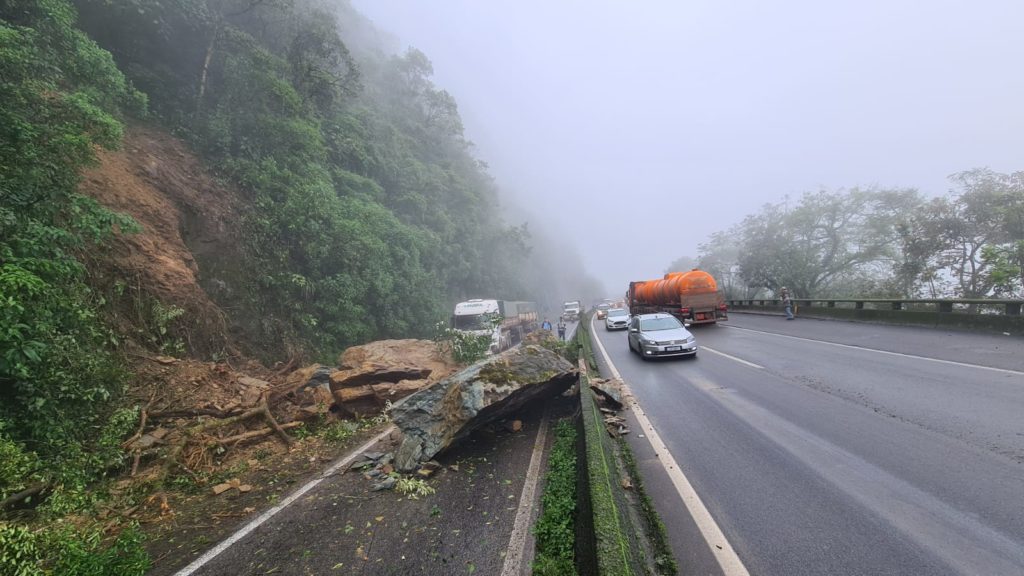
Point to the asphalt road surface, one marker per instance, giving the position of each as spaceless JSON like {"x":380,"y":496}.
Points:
{"x":823,"y":447}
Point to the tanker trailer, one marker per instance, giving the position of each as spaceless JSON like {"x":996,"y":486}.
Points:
{"x":692,"y":297}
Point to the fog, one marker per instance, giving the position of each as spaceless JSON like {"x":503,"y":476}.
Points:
{"x":635,"y":130}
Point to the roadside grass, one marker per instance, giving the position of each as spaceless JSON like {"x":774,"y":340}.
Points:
{"x":555,"y":529}
{"x":609,"y":462}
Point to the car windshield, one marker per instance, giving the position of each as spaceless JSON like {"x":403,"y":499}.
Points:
{"x":615,"y":312}
{"x":655,"y":324}
{"x":602,"y":306}
{"x":473,"y":322}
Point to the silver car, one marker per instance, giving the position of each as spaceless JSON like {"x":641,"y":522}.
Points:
{"x":652,"y":335}
{"x":616,"y":319}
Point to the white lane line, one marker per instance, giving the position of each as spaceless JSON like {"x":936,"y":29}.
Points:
{"x":731,"y":357}
{"x":245,"y":530}
{"x":723,"y":552}
{"x":886,"y":352}
{"x":521,"y":526}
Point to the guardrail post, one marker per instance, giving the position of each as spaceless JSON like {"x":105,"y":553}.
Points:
{"x":897,"y":305}
{"x":831,"y":304}
{"x":945,"y":306}
{"x":1013,"y":308}
{"x":858,"y":305}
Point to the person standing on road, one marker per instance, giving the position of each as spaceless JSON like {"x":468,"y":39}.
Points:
{"x":561,"y":329}
{"x":546,"y":325}
{"x":787,"y":303}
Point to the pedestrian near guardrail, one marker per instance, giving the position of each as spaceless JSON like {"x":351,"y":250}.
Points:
{"x":787,"y":303}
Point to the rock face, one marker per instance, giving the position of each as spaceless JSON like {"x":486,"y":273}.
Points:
{"x":433,"y":418}
{"x":371,"y":374}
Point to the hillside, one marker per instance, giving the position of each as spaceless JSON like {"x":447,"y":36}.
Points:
{"x":312,"y":197}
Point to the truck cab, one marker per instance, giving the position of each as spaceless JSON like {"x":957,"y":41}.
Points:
{"x":571,"y":311}
{"x":477,"y":317}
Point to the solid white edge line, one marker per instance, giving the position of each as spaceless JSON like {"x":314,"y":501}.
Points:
{"x":876,"y":350}
{"x":255,"y":523}
{"x":521,"y":525}
{"x":723,"y":552}
{"x":731,"y":357}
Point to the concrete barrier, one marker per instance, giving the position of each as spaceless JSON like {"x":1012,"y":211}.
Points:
{"x":981,"y":315}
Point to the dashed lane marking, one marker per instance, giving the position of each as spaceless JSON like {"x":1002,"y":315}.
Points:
{"x":723,"y":552}
{"x":886,"y":352}
{"x":731,"y":357}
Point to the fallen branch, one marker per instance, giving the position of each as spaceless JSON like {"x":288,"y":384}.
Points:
{"x":194,"y":413}
{"x":262,"y":409}
{"x":23,"y":495}
{"x":252,"y":434}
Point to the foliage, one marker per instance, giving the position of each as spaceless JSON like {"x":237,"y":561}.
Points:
{"x":58,"y":372}
{"x":65,"y":550}
{"x":555,"y":529}
{"x":880,"y":242}
{"x":413,"y":487}
{"x":465,"y":347}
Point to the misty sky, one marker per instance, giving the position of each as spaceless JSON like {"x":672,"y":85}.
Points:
{"x":641,"y":127}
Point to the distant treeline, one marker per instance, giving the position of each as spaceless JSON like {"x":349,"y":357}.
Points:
{"x":879,"y":242}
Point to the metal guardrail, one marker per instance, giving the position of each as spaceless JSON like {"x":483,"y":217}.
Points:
{"x":978,"y":306}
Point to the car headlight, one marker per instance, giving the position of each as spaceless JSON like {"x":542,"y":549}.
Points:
{"x":691,"y":340}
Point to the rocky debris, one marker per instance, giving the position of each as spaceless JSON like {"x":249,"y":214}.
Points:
{"x":433,"y":418}
{"x":386,"y":484}
{"x":373,"y":374}
{"x":233,"y":483}
{"x":610,"y":391}
{"x":616,"y":426}
{"x":539,"y":337}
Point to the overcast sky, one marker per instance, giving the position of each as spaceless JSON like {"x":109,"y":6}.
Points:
{"x":645,"y":126}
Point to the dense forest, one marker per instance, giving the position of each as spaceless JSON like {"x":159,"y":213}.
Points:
{"x":367,"y":215}
{"x":874,"y":242}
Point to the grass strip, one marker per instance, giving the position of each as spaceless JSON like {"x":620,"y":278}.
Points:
{"x":555,"y":529}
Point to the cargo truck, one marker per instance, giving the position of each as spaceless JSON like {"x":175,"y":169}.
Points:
{"x":571,"y":311}
{"x":692,"y":297}
{"x":506,"y":321}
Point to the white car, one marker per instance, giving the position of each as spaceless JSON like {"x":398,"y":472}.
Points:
{"x":617,"y":319}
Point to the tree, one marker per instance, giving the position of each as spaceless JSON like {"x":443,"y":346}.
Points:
{"x":828,"y":239}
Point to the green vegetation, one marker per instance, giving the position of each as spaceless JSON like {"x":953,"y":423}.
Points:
{"x":879,"y":243}
{"x":555,"y":529}
{"x":464,"y":347}
{"x":369,"y":216}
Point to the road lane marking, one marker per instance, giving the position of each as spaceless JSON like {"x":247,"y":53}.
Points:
{"x":245,"y":530}
{"x":865,"y":349}
{"x":521,"y":525}
{"x":731,"y":357}
{"x":723,"y":552}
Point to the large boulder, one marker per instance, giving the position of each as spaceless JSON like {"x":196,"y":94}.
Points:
{"x":435,"y":417}
{"x":386,"y":370}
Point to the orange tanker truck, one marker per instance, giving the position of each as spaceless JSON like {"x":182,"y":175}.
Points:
{"x":692,"y":297}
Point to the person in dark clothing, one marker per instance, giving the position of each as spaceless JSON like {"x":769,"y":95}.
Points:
{"x":787,"y":303}
{"x":561,"y":329}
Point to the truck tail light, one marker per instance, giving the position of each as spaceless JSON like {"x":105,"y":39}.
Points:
{"x":684,"y":311}
{"x":723,"y":307}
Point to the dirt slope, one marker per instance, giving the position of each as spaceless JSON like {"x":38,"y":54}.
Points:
{"x":188,"y":243}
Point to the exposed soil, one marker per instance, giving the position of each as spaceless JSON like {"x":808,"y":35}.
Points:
{"x":187,"y":217}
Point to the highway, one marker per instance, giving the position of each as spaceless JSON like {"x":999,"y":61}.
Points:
{"x":837,"y":448}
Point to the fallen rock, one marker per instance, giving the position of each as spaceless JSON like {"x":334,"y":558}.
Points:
{"x":433,"y":418}
{"x":253,"y":382}
{"x":609,"y":391}
{"x":385,"y":484}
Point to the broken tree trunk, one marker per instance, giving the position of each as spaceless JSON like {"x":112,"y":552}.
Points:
{"x":433,"y":418}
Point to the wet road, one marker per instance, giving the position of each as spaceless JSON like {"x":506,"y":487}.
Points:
{"x":838,"y":448}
